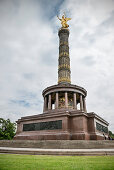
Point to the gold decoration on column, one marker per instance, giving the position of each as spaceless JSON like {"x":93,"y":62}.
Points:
{"x":64,"y":79}
{"x":64,"y":65}
{"x":63,"y":54}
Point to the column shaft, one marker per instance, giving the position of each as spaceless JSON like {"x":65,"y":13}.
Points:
{"x":45,"y":103}
{"x":75,"y":102}
{"x":81,"y":103}
{"x":49,"y":101}
{"x":56,"y":102}
{"x":66,"y":99}
{"x":84,"y":104}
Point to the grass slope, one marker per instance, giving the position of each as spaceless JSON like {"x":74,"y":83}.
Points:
{"x":38,"y":162}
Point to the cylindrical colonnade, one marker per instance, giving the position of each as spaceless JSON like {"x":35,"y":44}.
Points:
{"x":63,"y":96}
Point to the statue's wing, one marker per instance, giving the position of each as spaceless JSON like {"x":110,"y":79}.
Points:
{"x":67,"y":19}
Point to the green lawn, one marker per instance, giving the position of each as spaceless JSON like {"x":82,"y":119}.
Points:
{"x":38,"y":162}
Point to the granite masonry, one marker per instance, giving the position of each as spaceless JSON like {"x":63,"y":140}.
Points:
{"x":64,"y":114}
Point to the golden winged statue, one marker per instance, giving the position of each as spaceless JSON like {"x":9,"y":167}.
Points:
{"x":64,"y":20}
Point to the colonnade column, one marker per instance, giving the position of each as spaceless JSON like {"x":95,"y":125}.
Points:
{"x":81,"y":103}
{"x":49,"y":101}
{"x":45,"y":103}
{"x":84,"y":104}
{"x":75,"y":102}
{"x":56,"y":101}
{"x":66,"y":99}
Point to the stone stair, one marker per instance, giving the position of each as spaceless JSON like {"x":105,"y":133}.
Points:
{"x":55,"y":147}
{"x":58,"y":144}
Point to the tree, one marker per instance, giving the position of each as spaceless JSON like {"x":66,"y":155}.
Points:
{"x":111,"y":134}
{"x":7,"y":129}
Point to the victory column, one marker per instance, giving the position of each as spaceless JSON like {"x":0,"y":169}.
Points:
{"x":64,"y":115}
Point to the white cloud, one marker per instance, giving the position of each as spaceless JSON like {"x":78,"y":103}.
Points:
{"x":92,"y":38}
{"x":29,"y":53}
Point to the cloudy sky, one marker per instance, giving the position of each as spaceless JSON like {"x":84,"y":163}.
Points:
{"x":29,"y":53}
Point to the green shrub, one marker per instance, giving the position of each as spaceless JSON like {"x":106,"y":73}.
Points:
{"x":7,"y":129}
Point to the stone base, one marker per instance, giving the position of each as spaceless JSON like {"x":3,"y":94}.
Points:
{"x":58,"y":144}
{"x":57,"y":136}
{"x":43,"y":136}
{"x":76,"y":125}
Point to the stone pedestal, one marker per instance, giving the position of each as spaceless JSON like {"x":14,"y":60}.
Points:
{"x":60,"y":125}
{"x":63,"y":122}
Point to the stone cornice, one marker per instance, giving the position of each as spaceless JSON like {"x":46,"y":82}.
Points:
{"x":92,"y":114}
{"x":64,"y":87}
{"x":43,"y":116}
